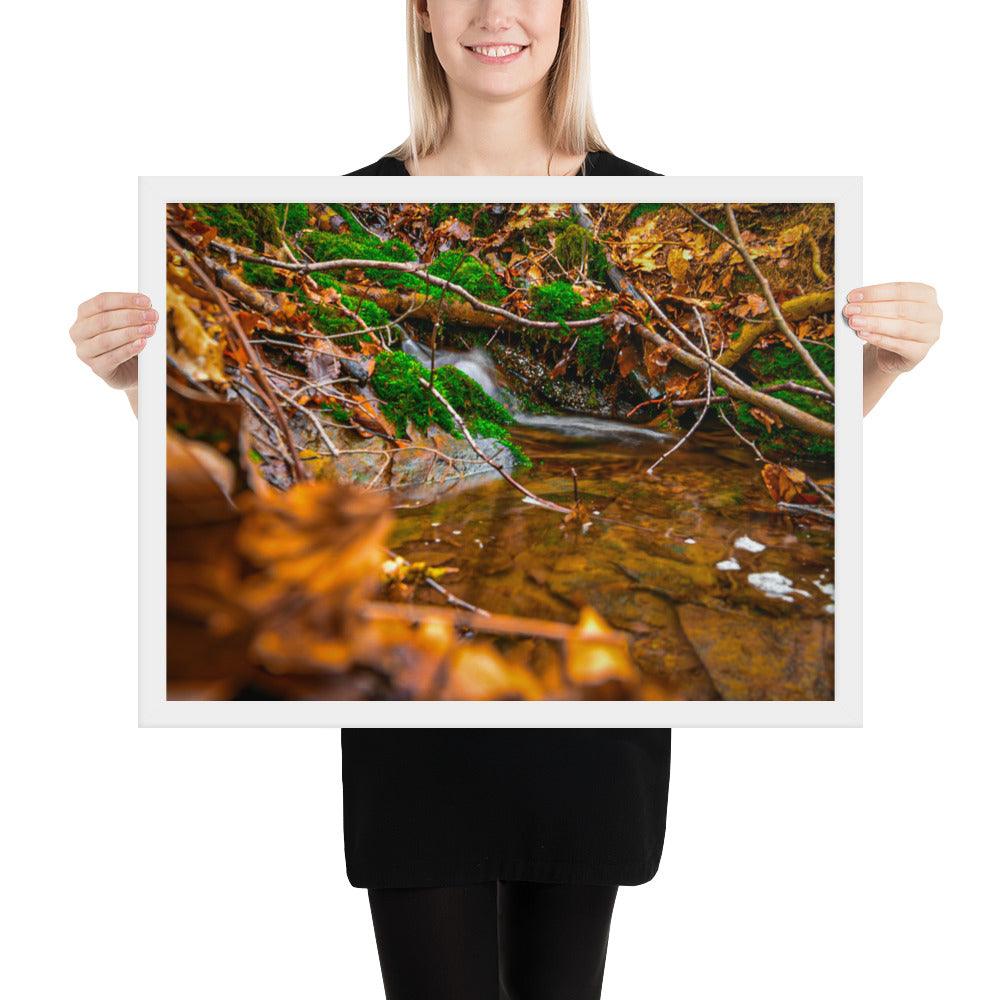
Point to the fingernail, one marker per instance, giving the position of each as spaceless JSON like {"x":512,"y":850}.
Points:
{"x":851,"y":310}
{"x":859,"y":323}
{"x":150,"y":315}
{"x":147,"y":331}
{"x":862,"y":336}
{"x":855,"y":296}
{"x":141,"y":301}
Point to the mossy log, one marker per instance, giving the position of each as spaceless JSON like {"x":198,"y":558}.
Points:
{"x":396,"y":302}
{"x":797,"y":309}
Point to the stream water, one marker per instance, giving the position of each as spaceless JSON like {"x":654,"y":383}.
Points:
{"x":721,"y":594}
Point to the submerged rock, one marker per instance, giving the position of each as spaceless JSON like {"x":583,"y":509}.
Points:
{"x":566,"y":393}
{"x":752,"y":658}
{"x":430,"y":459}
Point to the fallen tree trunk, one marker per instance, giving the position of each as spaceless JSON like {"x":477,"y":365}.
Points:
{"x":790,"y":414}
{"x":796,"y":309}
{"x":416,"y":305}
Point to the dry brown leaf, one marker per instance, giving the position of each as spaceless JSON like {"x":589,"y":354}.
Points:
{"x":596,"y":653}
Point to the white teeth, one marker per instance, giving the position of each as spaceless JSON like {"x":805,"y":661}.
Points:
{"x":499,"y":51}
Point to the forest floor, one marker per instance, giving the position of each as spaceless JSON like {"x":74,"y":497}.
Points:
{"x":481,"y":451}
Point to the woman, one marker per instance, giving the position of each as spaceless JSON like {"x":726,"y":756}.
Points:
{"x":492,"y":857}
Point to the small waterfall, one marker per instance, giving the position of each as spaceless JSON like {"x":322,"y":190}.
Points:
{"x":479,"y":366}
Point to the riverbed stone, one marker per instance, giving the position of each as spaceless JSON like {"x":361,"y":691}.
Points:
{"x":430,"y":459}
{"x":752,"y":658}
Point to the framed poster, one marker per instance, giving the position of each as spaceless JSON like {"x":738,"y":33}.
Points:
{"x":500,"y":451}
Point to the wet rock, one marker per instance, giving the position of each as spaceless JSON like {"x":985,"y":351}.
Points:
{"x":435,"y":458}
{"x":753,"y":658}
{"x":566,"y":393}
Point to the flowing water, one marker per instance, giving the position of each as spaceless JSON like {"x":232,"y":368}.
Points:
{"x":722,"y":595}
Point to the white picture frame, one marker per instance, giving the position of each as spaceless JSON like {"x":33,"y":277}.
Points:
{"x":155,"y":709}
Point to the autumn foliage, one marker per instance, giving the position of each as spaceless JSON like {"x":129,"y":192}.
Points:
{"x":284,"y":321}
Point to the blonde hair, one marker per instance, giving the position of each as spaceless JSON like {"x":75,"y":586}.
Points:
{"x":570,"y":124}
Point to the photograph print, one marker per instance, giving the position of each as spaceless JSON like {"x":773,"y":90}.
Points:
{"x":513,"y":451}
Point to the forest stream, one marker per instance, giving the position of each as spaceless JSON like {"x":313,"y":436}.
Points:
{"x":490,"y":451}
{"x":720,"y":595}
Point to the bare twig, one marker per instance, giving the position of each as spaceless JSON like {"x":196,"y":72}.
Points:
{"x":495,"y":623}
{"x":708,"y":396}
{"x":804,"y":508}
{"x":451,"y":598}
{"x":736,"y":240}
{"x":409,"y":267}
{"x":684,"y":337}
{"x":298,"y":471}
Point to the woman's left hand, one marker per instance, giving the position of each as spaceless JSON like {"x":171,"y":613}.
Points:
{"x":901,"y":320}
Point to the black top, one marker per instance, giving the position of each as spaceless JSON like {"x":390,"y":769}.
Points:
{"x":599,"y":163}
{"x":429,"y":807}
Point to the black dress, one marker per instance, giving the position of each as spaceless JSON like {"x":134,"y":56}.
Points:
{"x":425,"y":807}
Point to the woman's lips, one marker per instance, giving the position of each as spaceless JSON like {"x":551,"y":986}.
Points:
{"x":502,"y":53}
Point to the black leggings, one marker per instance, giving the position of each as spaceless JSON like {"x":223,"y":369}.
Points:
{"x":493,"y":941}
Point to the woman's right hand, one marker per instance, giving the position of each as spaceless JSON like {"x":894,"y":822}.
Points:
{"x":110,"y":331}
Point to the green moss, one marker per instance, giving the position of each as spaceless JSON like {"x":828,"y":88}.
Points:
{"x":331,"y":320}
{"x":453,"y":265}
{"x":326,"y":280}
{"x":264,"y":276}
{"x":590,"y":350}
{"x":482,"y":428}
{"x":573,"y":244}
{"x":251,"y":224}
{"x":557,"y":300}
{"x":337,"y":412}
{"x":540,"y":230}
{"x":349,"y":218}
{"x":779,"y":362}
{"x":396,"y":381}
{"x":789,"y":441}
{"x":483,"y":221}
{"x":229,"y":221}
{"x":471,"y":273}
{"x":463,"y":212}
{"x":292,"y":217}
{"x":570,"y":245}
{"x":371,"y":313}
{"x":363,"y":246}
{"x":468,"y":396}
{"x":328,"y":320}
{"x":638,"y":211}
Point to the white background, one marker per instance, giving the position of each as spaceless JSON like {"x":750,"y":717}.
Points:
{"x":209,"y":863}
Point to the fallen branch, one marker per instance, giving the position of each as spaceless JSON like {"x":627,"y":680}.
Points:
{"x":708,"y":397}
{"x":811,"y":304}
{"x":298,"y":471}
{"x":791,"y":414}
{"x":736,"y":240}
{"x":439,"y":396}
{"x":495,"y":623}
{"x":451,"y":598}
{"x":694,"y":358}
{"x":418,"y":268}
{"x":760,"y":457}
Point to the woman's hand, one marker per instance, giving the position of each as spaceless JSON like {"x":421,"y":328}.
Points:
{"x":902,"y":320}
{"x":899,"y":322}
{"x":110,"y":331}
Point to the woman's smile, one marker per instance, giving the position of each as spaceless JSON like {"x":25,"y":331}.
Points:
{"x":499,"y":53}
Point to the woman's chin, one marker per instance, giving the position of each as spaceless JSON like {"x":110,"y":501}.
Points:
{"x":493,"y":86}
